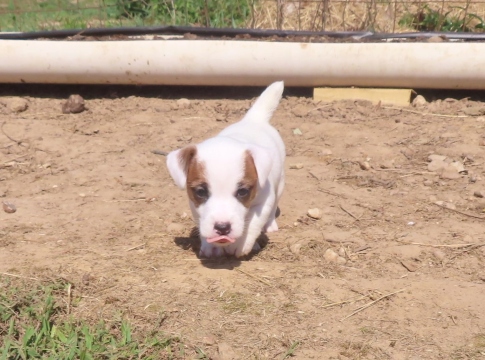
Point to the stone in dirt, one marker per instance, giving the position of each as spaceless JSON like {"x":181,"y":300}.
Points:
{"x":479,"y":194}
{"x":419,"y":101}
{"x":9,"y":208}
{"x":17,"y":104}
{"x":315,"y":213}
{"x":73,"y":105}
{"x":183,"y":103}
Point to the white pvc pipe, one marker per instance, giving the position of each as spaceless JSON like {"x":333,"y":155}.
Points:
{"x":217,"y":62}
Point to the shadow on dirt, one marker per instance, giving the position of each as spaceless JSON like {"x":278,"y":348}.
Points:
{"x":192,"y":242}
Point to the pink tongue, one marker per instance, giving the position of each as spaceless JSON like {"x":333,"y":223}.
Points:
{"x":220,"y":240}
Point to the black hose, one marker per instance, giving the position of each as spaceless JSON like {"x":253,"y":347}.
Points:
{"x":230,"y":32}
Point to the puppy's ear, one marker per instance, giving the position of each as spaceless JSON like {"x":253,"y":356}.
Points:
{"x":178,"y":162}
{"x":263,"y":159}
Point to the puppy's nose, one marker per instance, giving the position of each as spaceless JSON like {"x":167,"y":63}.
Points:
{"x":222,"y":228}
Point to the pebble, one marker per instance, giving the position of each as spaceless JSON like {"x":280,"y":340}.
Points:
{"x":479,"y":194}
{"x":439,"y":254}
{"x":9,"y":208}
{"x":315,"y":213}
{"x":296,"y":166}
{"x":183,"y":103}
{"x":17,"y":104}
{"x":419,"y":101}
{"x":428,"y":183}
{"x":297,"y":132}
{"x":411,"y":267}
{"x":295,"y":248}
{"x":330,"y":255}
{"x":364,"y":165}
{"x":73,"y":105}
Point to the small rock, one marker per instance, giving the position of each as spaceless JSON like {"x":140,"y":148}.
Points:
{"x":439,"y":254}
{"x":295,"y":248}
{"x":341,"y":252}
{"x":428,"y":183}
{"x":73,"y":105}
{"x":9,"y":208}
{"x":435,"y":39}
{"x":296,"y":166}
{"x":175,"y":228}
{"x":386,"y":165}
{"x":326,"y":152}
{"x":330,"y":255}
{"x":17,"y":104}
{"x":419,"y":101}
{"x":183,"y":103}
{"x":184,"y":215}
{"x":458,"y":166}
{"x":297,"y":132}
{"x":364,"y":165}
{"x":479,"y":194}
{"x":299,"y":111}
{"x":450,"y":173}
{"x":474,"y":110}
{"x":315,"y":213}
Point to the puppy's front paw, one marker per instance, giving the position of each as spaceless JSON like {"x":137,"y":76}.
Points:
{"x":271,"y":226}
{"x":210,"y":251}
{"x":246,"y":250}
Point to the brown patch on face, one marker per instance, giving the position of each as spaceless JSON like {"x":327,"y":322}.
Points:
{"x":197,"y":188}
{"x":248,"y":186}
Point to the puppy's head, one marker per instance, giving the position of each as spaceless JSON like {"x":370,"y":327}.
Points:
{"x":223,"y":179}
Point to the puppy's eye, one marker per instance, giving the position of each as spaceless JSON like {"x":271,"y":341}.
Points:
{"x":201,"y":192}
{"x":242,"y":192}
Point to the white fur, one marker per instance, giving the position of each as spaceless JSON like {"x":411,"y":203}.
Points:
{"x":223,"y":157}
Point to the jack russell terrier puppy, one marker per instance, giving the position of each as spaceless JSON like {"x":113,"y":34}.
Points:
{"x":235,"y":180}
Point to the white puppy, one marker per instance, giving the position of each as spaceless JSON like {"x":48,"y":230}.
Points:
{"x":235,"y":179}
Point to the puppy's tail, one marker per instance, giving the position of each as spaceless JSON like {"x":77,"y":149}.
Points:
{"x":264,"y":107}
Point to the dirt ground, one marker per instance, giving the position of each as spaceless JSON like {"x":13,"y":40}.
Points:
{"x":405,"y":276}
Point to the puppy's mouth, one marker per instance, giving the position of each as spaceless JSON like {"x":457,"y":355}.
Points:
{"x":221,"y":240}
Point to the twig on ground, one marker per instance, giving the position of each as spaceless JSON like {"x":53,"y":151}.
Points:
{"x":362,"y":308}
{"x":423,"y":113}
{"x":19,"y":276}
{"x":332,"y":193}
{"x":255,"y":277}
{"x":349,"y":213}
{"x":345,"y":302}
{"x":461,"y":212}
{"x":470,"y":248}
{"x":160,"y":152}
{"x":18,"y":142}
{"x":456,"y":246}
{"x":136,"y":247}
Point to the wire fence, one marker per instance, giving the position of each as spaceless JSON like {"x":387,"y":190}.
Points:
{"x":314,"y":15}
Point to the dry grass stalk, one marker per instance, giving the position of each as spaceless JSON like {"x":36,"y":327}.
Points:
{"x":362,"y":308}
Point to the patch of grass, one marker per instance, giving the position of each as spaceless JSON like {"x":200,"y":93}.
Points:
{"x":454,"y":20}
{"x":31,"y":15}
{"x":34,"y":324}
